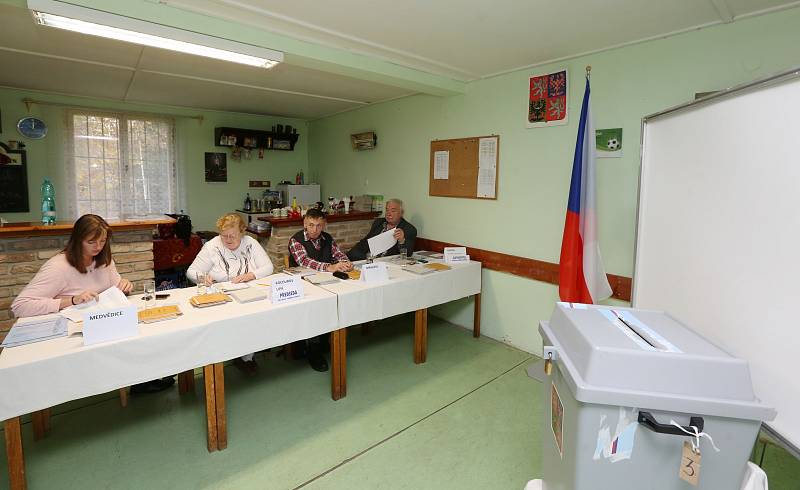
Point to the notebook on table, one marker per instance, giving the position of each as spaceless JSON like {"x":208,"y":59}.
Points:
{"x":249,"y":294}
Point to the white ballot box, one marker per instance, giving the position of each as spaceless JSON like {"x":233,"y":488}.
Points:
{"x":622,"y":382}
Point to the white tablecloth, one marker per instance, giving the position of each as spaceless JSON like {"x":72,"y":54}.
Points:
{"x":40,"y":375}
{"x":359,"y":302}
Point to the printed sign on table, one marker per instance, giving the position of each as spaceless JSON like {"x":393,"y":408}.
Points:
{"x":375,"y":272}
{"x":287,"y":289}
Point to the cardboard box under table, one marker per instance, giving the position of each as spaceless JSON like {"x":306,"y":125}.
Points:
{"x":619,"y":377}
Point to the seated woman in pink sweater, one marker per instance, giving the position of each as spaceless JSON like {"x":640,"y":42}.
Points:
{"x":76,"y":275}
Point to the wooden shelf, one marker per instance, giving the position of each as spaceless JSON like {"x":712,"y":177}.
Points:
{"x":254,"y":138}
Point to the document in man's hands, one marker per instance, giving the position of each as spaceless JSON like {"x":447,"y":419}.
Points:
{"x":230,"y":286}
{"x":381,"y":243}
{"x":35,"y":329}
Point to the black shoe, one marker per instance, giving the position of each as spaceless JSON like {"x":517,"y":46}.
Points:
{"x":249,"y":368}
{"x":317,"y":362}
{"x":153,"y":386}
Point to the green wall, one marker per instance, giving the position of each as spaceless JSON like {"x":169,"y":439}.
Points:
{"x":204,"y":202}
{"x":527,"y":219}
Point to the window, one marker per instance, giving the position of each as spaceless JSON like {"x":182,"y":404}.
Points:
{"x":123,"y":165}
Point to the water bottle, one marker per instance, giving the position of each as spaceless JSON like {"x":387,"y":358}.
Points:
{"x":48,"y":203}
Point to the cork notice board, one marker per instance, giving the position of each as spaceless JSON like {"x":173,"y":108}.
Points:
{"x":465,"y":167}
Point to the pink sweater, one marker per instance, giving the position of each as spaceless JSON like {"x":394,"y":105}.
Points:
{"x":58,"y":278}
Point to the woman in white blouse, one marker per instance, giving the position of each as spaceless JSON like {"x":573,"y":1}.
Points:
{"x":235,"y":257}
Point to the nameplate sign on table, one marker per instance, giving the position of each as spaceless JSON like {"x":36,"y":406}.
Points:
{"x":375,"y":272}
{"x":454,"y":255}
{"x":286,"y":289}
{"x":107,"y":324}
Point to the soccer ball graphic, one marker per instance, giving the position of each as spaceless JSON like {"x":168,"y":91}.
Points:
{"x":612,"y":144}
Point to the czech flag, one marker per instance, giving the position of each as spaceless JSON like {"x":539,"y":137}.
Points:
{"x":581,"y":276}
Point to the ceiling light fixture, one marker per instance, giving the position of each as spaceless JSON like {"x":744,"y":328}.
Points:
{"x":93,"y":22}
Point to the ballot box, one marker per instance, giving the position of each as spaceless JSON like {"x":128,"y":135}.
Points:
{"x":636,"y":400}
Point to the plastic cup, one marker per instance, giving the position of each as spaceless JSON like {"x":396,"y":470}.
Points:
{"x":201,"y":283}
{"x":149,"y":295}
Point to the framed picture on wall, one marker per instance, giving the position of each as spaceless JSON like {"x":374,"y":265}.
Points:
{"x":216,"y":167}
{"x":548,"y":99}
{"x":13,"y":180}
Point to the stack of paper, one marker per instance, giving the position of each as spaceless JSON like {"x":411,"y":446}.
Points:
{"x":299,"y":271}
{"x":36,"y":329}
{"x":229,"y":286}
{"x":159,"y":313}
{"x":203,"y":300}
{"x":110,"y":298}
{"x":249,"y":294}
{"x":320,"y":279}
{"x":418,"y":269}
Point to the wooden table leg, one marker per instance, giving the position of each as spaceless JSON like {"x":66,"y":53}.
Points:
{"x":186,"y":381}
{"x":476,"y":319}
{"x":219,"y":398}
{"x":343,"y":367}
{"x":338,"y":353}
{"x":123,"y":397}
{"x":16,"y":459}
{"x":420,"y":335}
{"x":41,"y":423}
{"x":211,"y":407}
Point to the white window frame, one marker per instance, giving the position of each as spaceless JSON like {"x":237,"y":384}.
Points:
{"x":130,"y":205}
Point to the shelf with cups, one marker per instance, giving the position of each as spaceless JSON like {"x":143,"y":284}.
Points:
{"x":280,"y":138}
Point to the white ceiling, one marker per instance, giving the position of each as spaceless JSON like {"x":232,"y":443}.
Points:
{"x":431,"y":42}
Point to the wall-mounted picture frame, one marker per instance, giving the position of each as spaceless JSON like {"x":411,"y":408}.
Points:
{"x":608,"y":143}
{"x":548,"y":99}
{"x":364,"y":141}
{"x":216,"y":167}
{"x":13,"y":180}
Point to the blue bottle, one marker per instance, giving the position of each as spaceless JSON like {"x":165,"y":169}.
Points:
{"x":48,"y":202}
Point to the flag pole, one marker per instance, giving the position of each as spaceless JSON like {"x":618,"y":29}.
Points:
{"x":588,"y":71}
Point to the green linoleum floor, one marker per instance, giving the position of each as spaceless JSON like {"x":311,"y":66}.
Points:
{"x":466,"y":419}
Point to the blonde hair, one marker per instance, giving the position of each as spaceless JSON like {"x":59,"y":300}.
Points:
{"x":231,"y":220}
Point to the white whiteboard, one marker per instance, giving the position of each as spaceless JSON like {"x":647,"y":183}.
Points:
{"x":718,"y":238}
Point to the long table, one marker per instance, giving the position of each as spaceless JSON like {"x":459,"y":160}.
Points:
{"x":359,"y":302}
{"x":63,"y":369}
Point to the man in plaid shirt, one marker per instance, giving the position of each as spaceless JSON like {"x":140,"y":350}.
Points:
{"x":313,"y":248}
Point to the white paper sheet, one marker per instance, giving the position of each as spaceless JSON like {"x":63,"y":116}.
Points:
{"x":381,"y":243}
{"x":486,"y":182}
{"x":229,"y":286}
{"x":487,"y":167}
{"x":110,"y":298}
{"x":35,"y":329}
{"x":441,"y":165}
{"x":487,"y":152}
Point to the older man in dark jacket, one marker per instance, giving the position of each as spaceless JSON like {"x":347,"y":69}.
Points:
{"x":404,"y":232}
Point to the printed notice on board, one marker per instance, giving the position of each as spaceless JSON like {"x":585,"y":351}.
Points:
{"x":487,"y":167}
{"x":441,"y":165}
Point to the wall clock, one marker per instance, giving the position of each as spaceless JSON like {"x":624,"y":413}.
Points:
{"x":32,"y":128}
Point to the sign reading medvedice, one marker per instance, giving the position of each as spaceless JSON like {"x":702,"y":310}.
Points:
{"x":286,"y":289}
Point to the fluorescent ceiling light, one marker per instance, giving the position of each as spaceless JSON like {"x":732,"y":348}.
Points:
{"x":149,"y":34}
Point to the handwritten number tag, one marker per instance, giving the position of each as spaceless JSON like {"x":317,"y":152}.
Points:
{"x":690,"y":464}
